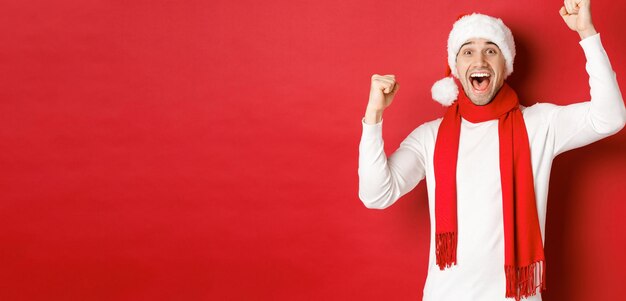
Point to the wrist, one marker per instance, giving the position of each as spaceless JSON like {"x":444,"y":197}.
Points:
{"x":373,"y":116}
{"x":587,"y":32}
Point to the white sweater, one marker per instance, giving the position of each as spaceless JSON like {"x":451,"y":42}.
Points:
{"x":479,"y":273}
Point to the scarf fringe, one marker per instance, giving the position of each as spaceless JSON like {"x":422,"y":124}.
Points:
{"x":522,"y":282}
{"x":446,"y":249}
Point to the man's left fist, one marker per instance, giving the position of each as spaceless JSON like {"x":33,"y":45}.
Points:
{"x":577,"y":15}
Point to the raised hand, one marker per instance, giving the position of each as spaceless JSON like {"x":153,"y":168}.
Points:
{"x":382,"y":91}
{"x":577,"y":16}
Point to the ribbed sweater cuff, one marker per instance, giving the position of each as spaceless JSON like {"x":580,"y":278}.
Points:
{"x":372,"y":131}
{"x":592,"y":46}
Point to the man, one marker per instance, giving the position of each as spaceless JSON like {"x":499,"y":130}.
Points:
{"x":487,"y":161}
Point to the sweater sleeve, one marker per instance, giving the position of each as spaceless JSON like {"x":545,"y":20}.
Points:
{"x":583,"y":123}
{"x":384,"y":180}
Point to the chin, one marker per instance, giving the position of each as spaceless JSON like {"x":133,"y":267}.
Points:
{"x":481,"y":101}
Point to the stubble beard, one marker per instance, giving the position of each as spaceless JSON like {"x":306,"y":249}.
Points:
{"x":479,"y":100}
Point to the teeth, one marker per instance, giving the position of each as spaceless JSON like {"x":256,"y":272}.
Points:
{"x":479,"y":75}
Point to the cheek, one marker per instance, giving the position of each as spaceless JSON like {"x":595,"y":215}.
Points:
{"x":501,"y":65}
{"x":460,"y":69}
{"x":460,"y":65}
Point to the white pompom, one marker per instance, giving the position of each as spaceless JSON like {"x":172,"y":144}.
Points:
{"x":445,"y":91}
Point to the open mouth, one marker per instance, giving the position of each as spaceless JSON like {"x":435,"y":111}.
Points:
{"x":480,"y":81}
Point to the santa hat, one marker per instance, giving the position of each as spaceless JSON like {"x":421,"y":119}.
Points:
{"x":445,"y":91}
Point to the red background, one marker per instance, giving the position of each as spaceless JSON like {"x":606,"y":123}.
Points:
{"x":207,"y":150}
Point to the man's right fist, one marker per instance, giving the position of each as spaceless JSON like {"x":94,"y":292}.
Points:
{"x":382,"y":91}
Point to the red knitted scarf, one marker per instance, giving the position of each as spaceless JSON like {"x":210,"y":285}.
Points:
{"x":524,"y":261}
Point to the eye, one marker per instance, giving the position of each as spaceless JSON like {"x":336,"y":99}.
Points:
{"x":467,"y":52}
{"x":491,"y":51}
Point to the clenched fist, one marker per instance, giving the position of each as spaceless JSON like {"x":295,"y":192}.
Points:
{"x":577,"y":15}
{"x":382,"y":91}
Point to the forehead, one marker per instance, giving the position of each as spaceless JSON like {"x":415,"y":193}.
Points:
{"x":480,"y":42}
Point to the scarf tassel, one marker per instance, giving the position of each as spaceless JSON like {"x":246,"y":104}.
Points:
{"x":446,"y":249}
{"x":522,"y":282}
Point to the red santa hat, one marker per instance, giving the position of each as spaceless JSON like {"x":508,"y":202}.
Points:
{"x":445,"y":91}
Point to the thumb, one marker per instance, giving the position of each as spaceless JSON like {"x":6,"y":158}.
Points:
{"x":563,"y":12}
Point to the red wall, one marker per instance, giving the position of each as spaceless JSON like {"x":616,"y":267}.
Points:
{"x":207,"y":150}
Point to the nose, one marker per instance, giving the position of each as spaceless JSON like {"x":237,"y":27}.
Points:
{"x":480,"y":60}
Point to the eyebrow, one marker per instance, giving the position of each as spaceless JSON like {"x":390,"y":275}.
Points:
{"x":472,"y":42}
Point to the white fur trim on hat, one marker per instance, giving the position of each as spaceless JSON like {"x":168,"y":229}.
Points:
{"x":445,"y":91}
{"x":481,"y":26}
